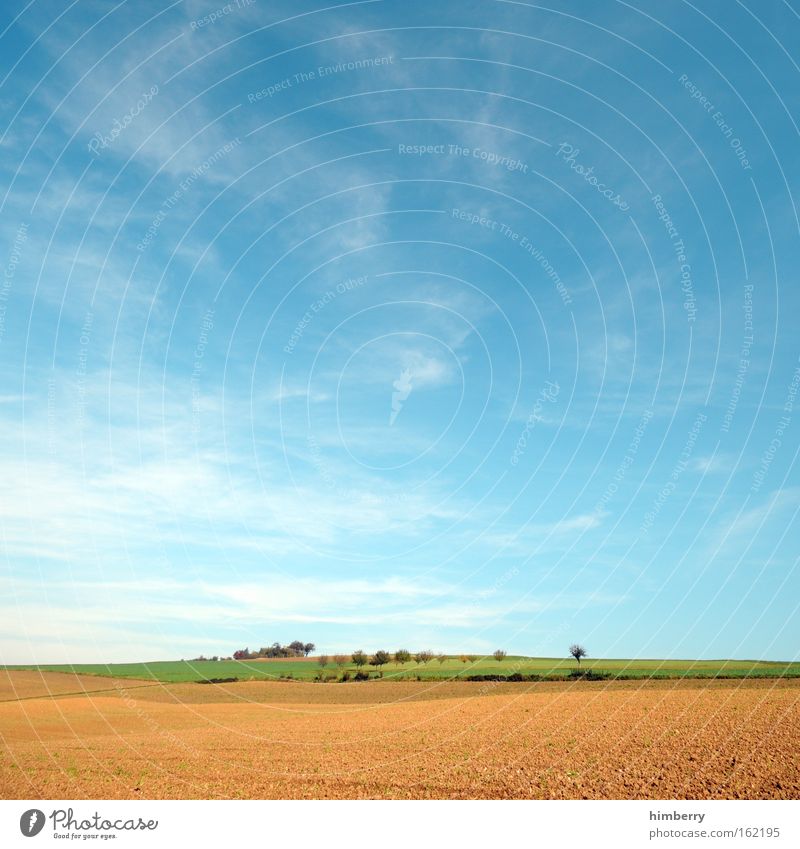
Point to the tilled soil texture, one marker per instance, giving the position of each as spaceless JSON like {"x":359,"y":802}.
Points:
{"x":619,"y":740}
{"x":33,"y":685}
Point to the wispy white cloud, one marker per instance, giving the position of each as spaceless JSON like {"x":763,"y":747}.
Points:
{"x":67,"y":616}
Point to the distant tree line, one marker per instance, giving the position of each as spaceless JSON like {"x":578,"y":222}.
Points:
{"x":360,"y":658}
{"x":403,"y":656}
{"x":294,"y":649}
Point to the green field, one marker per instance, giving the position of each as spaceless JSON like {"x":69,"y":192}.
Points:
{"x":452,"y":667}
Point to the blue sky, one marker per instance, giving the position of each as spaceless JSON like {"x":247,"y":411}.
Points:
{"x":455,"y":325}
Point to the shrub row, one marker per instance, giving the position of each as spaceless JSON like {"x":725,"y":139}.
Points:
{"x":575,"y":674}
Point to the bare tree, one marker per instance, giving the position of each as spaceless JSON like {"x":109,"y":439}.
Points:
{"x":340,"y":660}
{"x":322,"y":660}
{"x":441,"y":657}
{"x":499,"y":655}
{"x":423,"y":656}
{"x":577,"y":651}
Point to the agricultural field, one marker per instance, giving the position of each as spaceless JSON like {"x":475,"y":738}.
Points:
{"x":65,"y":735}
{"x":307,"y":669}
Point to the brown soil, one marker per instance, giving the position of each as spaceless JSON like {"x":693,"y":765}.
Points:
{"x":26,"y":685}
{"x":657,"y":740}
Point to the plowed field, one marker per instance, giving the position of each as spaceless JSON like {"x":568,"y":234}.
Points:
{"x":660,"y":740}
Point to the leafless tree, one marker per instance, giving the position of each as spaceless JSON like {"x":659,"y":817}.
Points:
{"x":577,"y":651}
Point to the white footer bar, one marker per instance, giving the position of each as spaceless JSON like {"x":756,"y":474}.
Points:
{"x":392,"y":825}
